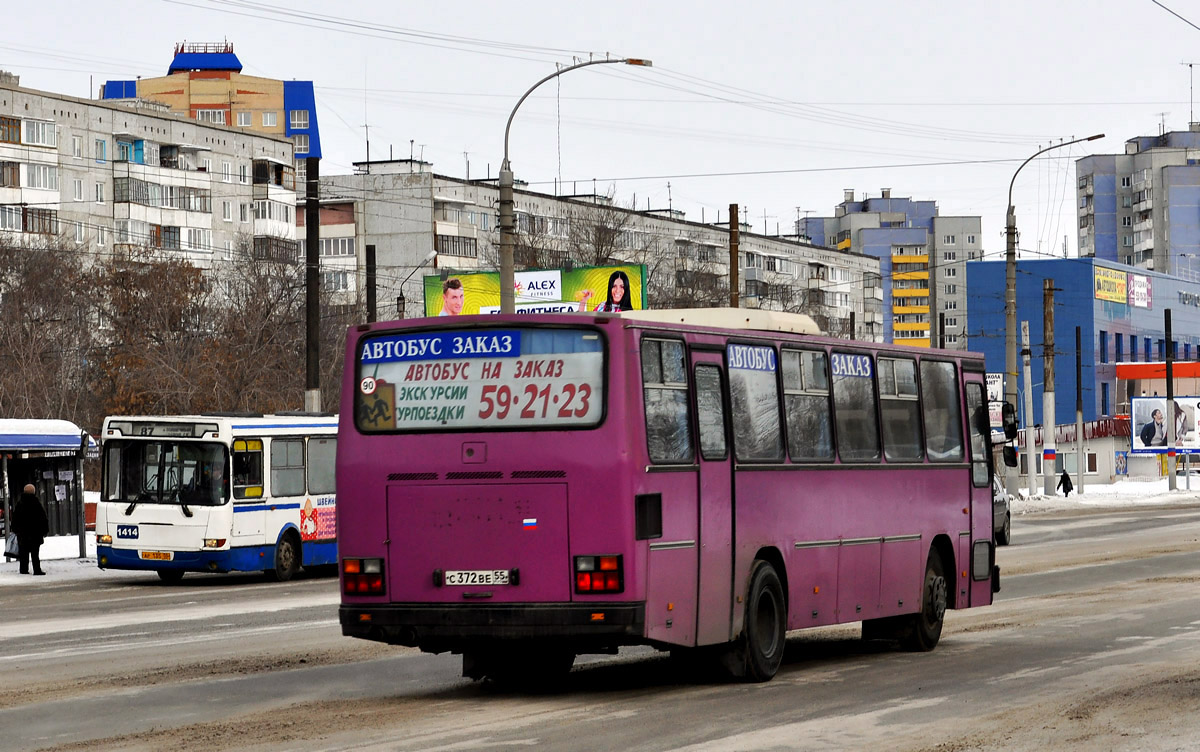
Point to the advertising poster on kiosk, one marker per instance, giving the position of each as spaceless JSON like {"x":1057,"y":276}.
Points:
{"x":1149,"y":430}
{"x":592,"y":288}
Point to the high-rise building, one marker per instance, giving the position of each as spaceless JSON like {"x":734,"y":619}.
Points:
{"x":1139,"y":208}
{"x":205,"y":83}
{"x":922,"y":262}
{"x":108,"y":177}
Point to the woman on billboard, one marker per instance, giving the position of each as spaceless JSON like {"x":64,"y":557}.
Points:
{"x":618,"y":295}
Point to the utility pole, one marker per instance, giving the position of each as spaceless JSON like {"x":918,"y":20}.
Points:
{"x":312,"y":286}
{"x":1031,"y":457}
{"x":1171,"y":437}
{"x":371,"y":318}
{"x":1080,"y":451}
{"x":1048,"y":423}
{"x":734,"y":226}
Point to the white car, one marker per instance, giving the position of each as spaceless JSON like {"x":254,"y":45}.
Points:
{"x":1001,"y":512}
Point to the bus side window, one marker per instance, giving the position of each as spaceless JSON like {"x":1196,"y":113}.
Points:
{"x":854,"y":408}
{"x":980,"y":433}
{"x":806,"y":405}
{"x":287,"y":467}
{"x":321,"y":456}
{"x":754,"y":396}
{"x":247,"y":469}
{"x":900,"y":410}
{"x":665,"y":391}
{"x":943,"y":418}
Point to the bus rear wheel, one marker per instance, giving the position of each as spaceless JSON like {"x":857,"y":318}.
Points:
{"x":925,"y":628}
{"x":287,"y":558}
{"x":758,"y":653}
{"x":170,"y":576}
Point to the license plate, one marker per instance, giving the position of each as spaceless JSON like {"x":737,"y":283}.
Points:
{"x":157,"y":555}
{"x":476,"y":577}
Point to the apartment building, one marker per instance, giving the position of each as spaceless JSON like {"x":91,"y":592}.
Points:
{"x":407,"y":211}
{"x":205,"y":83}
{"x":922,"y":261}
{"x":114,"y":176}
{"x":1140,"y":208}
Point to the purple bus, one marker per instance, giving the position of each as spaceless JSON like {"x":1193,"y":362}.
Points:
{"x":523,"y":489}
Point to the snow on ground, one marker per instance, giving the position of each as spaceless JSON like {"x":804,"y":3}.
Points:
{"x":60,"y":555}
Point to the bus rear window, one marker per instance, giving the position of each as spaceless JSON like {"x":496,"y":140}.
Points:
{"x":481,"y":378}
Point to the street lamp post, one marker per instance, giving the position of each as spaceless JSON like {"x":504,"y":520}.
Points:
{"x":507,"y":215}
{"x":1010,"y":300}
{"x":400,"y":302}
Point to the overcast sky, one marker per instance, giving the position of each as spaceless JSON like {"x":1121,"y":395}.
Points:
{"x":777,"y":106}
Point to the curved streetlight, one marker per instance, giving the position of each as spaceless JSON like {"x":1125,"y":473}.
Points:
{"x":507,"y":216}
{"x":400,"y":302}
{"x":1010,"y":297}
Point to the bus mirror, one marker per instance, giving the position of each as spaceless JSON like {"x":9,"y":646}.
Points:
{"x":1009,"y":416}
{"x":1010,"y":456}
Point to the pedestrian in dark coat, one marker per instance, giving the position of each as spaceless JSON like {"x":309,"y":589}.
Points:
{"x":1065,"y":484}
{"x":30,"y":524}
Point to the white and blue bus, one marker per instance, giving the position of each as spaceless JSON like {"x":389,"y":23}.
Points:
{"x":218,"y":493}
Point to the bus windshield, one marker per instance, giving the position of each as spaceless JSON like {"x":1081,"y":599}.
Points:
{"x":480,"y":379}
{"x":165,"y":472}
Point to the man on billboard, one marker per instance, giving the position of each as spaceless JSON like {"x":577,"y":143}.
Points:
{"x":1154,"y":433}
{"x":452,"y":297}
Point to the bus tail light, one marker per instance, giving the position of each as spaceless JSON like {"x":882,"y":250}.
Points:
{"x":104,"y":540}
{"x":599,"y":574}
{"x":214,"y":542}
{"x":362,"y":576}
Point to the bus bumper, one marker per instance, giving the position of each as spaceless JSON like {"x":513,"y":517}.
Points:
{"x":438,"y":628}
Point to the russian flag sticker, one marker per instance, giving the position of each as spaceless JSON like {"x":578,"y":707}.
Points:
{"x":530,"y":523}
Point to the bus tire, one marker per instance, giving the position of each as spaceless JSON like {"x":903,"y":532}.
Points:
{"x":925,"y":627}
{"x":287,"y":558}
{"x":757,"y":655}
{"x":170,"y":576}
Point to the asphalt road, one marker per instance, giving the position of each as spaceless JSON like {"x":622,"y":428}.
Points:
{"x":1091,"y":644}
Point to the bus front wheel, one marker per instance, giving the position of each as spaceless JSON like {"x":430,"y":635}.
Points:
{"x":287,"y":558}
{"x":925,"y":628}
{"x":757,"y":655}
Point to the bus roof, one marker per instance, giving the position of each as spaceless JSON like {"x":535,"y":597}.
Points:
{"x":223,"y":423}
{"x":729,"y":318}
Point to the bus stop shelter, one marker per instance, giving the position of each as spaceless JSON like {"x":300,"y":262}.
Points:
{"x":49,"y":454}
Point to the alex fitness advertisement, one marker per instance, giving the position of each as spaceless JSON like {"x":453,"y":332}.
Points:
{"x":592,"y":288}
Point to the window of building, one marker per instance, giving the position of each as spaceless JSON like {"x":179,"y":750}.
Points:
{"x":300,"y":140}
{"x":10,"y":218}
{"x":99,"y":193}
{"x":302,"y":174}
{"x":335,"y":281}
{"x":10,"y":174}
{"x":950,"y":305}
{"x":1127,"y":241}
{"x":243,"y":174}
{"x":270,"y":119}
{"x":950,"y":271}
{"x":1119,"y":345}
{"x":1103,"y":346}
{"x":42,"y":176}
{"x":226,"y":172}
{"x":337,"y":246}
{"x":298,"y":119}
{"x":101,"y":235}
{"x":951,"y":321}
{"x":40,"y":133}
{"x":76,"y":146}
{"x":41,"y":221}
{"x":227,"y":211}
{"x":1146,"y":348}
{"x":77,"y":189}
{"x":1126,"y":202}
{"x":10,"y":130}
{"x":100,"y":150}
{"x":245,"y":119}
{"x":970,"y":240}
{"x":1127,"y":221}
{"x":1104,"y":399}
{"x":206,"y":165}
{"x":949,"y":256}
{"x":211,"y":116}
{"x":79,"y":236}
{"x":948,"y":240}
{"x":951,"y":289}
{"x":1126,"y":181}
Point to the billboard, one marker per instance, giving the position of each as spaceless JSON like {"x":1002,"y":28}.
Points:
{"x":596,"y":288}
{"x":1149,"y":429}
{"x":1111,"y":285}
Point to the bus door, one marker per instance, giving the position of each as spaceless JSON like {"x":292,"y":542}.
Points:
{"x":981,"y":557}
{"x":249,"y":511}
{"x":715,"y":576}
